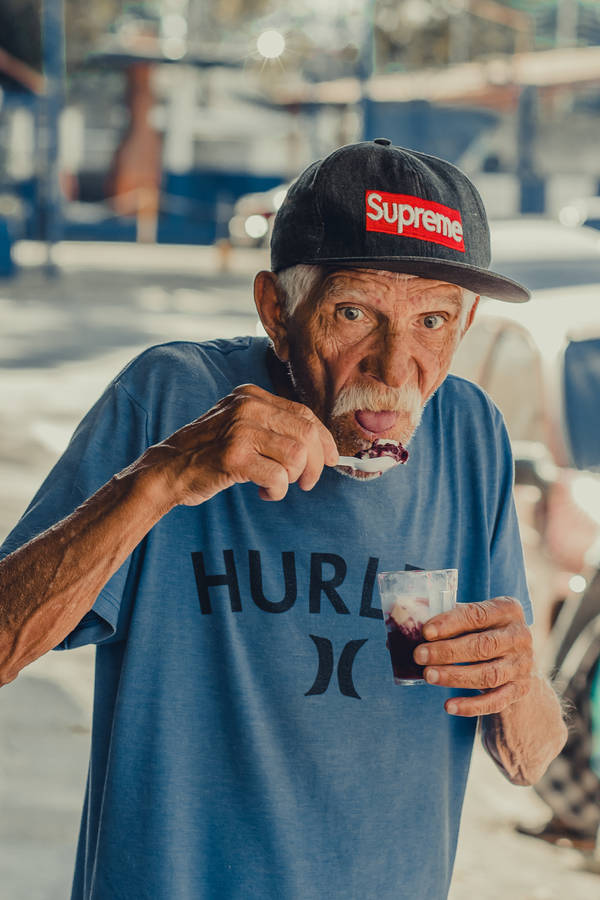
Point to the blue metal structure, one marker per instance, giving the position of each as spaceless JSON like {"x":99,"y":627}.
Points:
{"x":439,"y":130}
{"x":53,"y":43}
{"x":581,"y":399}
{"x":532,"y":186}
{"x":7,"y":266}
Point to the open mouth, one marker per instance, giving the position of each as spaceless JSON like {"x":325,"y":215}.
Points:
{"x":376,"y":422}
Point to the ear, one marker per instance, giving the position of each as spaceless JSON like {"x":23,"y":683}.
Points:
{"x":271,"y":312}
{"x":471,"y":316}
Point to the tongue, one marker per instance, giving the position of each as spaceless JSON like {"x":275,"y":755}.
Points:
{"x":376,"y":422}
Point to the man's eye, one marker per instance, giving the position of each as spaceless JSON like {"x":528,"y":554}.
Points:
{"x":351,"y":313}
{"x":433,"y":322}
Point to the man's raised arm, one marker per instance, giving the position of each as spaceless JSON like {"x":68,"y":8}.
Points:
{"x":50,"y":583}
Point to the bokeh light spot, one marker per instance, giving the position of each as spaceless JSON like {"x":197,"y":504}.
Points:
{"x":270,"y":44}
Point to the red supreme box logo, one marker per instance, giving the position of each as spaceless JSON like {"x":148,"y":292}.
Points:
{"x":414,"y":217}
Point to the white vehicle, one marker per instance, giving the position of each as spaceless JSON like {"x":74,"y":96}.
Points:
{"x":253,"y":215}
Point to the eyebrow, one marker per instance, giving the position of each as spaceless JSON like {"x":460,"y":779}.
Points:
{"x":453,"y":296}
{"x":335,"y":289}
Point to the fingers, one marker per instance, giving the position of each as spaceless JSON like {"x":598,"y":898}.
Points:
{"x":484,"y":647}
{"x":271,"y":478}
{"x":298,"y":441}
{"x":301,"y":458}
{"x":491,"y":702}
{"x":250,"y":435}
{"x":318,"y":431}
{"x":467,"y":617}
{"x":481,"y":676}
{"x":472,"y":648}
{"x":295,"y":417}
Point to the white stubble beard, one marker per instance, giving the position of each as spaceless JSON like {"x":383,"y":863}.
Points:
{"x":406,"y":400}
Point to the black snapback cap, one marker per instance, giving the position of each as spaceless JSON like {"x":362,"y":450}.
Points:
{"x":373,"y":205}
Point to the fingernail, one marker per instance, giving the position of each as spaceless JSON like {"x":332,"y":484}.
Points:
{"x":452,"y":708}
{"x":421,"y":655}
{"x":430,"y":632}
{"x":432,"y":675}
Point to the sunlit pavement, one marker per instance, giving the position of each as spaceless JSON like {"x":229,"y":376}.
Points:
{"x":60,"y":342}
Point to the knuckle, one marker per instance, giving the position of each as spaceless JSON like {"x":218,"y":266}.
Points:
{"x":306,"y":428}
{"x":247,"y":397}
{"x":236,"y":392}
{"x":238,"y":409}
{"x":238,"y":396}
{"x":488,"y":645}
{"x":232,"y":456}
{"x":296,"y":454}
{"x":477,"y":615}
{"x":521,"y":638}
{"x":514,"y":607}
{"x":301,"y":430}
{"x":444,"y":653}
{"x":492,"y":676}
{"x":247,"y":390}
{"x":306,"y":413}
{"x":298,"y":409}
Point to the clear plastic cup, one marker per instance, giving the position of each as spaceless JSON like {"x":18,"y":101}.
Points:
{"x":408,"y":600}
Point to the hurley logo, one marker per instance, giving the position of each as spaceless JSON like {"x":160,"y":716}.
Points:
{"x":414,"y":217}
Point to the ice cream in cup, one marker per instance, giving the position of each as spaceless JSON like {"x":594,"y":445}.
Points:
{"x":408,"y":600}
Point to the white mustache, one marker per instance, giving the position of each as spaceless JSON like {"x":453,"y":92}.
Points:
{"x":406,"y":399}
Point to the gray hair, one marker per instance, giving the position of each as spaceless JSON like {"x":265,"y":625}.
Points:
{"x":469,"y":298}
{"x":296,"y":283}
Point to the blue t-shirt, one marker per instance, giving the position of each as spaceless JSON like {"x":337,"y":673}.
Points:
{"x":248,"y":739}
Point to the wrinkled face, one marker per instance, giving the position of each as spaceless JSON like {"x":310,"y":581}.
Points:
{"x":369,"y":349}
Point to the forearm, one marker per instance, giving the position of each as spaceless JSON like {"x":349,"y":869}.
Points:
{"x":48,"y":585}
{"x":525,"y":737}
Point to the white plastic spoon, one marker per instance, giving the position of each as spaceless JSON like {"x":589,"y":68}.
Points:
{"x":376,"y":464}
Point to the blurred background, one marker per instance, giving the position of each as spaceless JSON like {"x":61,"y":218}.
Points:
{"x":149,"y":120}
{"x":144,"y":150}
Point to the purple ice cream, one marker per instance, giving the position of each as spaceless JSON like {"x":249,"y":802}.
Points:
{"x":405,"y":632}
{"x":383,"y":447}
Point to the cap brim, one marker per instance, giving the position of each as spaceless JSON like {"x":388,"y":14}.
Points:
{"x":473,"y":278}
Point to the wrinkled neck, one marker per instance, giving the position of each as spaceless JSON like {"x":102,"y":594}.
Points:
{"x":280,"y":376}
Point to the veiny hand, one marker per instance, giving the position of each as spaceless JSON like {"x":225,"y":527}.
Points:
{"x":494,"y":639}
{"x":250,"y":435}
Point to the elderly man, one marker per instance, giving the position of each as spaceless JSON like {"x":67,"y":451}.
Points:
{"x":248,"y":737}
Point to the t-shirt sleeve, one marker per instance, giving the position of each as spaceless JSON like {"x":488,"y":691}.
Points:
{"x":507,"y":571}
{"x":110,"y":437}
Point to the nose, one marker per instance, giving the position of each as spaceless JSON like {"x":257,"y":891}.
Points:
{"x":391,"y":361}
